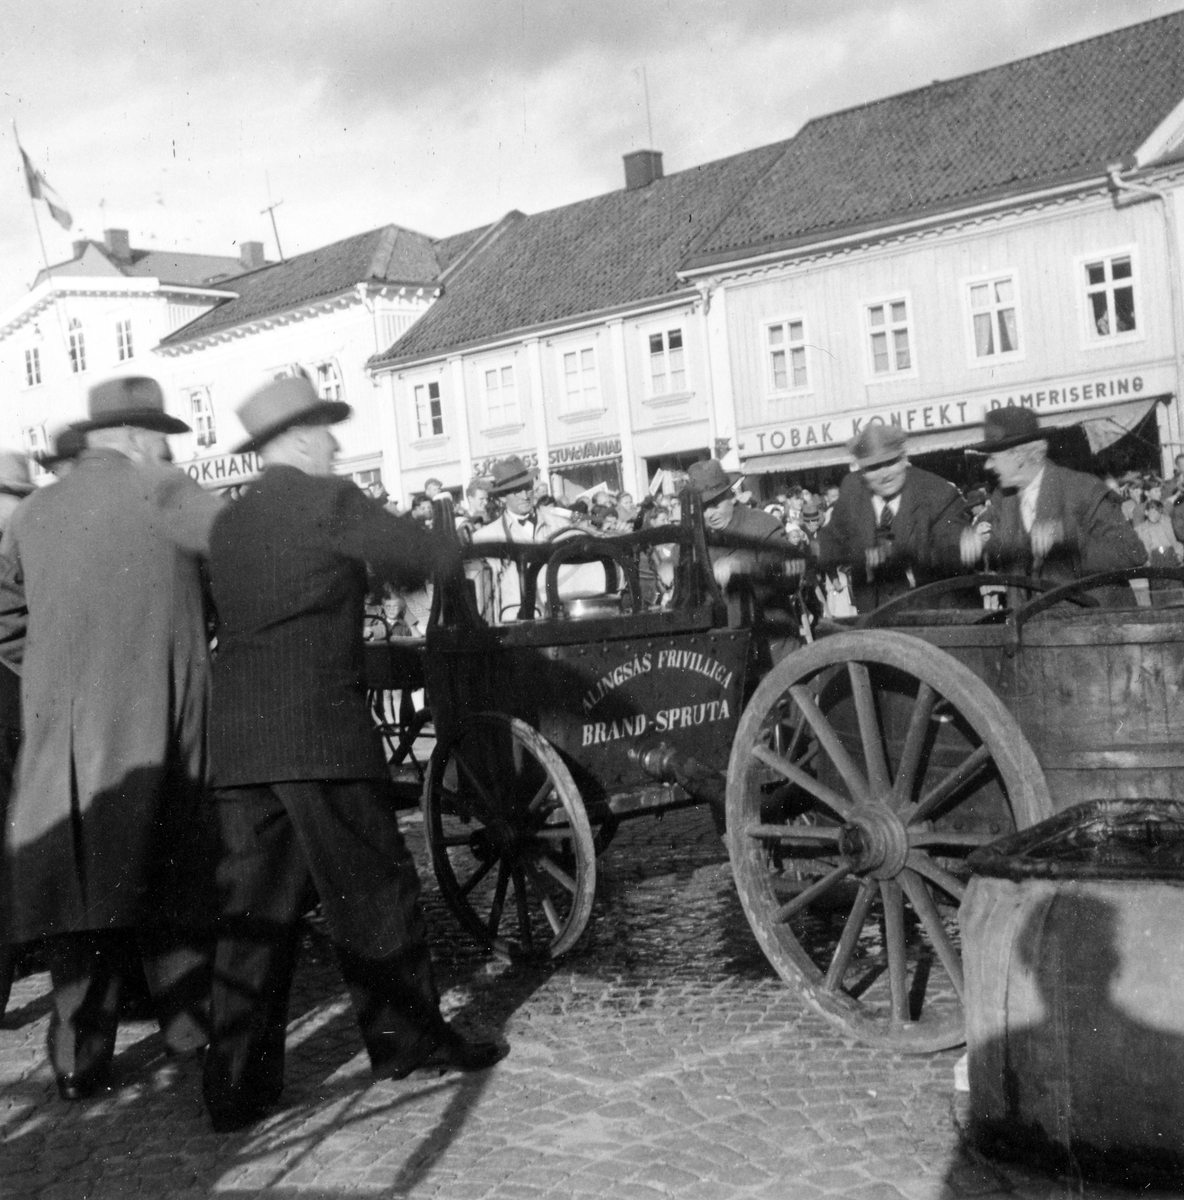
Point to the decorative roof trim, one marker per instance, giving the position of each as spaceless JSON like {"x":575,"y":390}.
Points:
{"x":376,"y":365}
{"x":1165,"y":138}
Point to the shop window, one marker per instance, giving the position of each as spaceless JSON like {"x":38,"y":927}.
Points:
{"x":77,"y":345}
{"x":993,"y":317}
{"x":123,"y":340}
{"x":581,"y":384}
{"x":429,"y":415}
{"x":201,"y":409}
{"x":327,"y":381}
{"x":667,"y":365}
{"x":785,"y":345}
{"x":888,"y":337}
{"x":32,"y":366}
{"x":501,"y":398}
{"x":1110,"y":296}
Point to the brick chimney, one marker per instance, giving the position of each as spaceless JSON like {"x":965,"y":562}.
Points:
{"x":117,"y":243}
{"x":250,"y":254}
{"x":642,"y":167}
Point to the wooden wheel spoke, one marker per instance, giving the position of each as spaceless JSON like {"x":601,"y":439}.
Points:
{"x":914,"y":745}
{"x":870,"y":733}
{"x":949,"y":784}
{"x":939,"y":837}
{"x":499,"y":899}
{"x":917,"y":891}
{"x":491,"y":805}
{"x":557,"y":873}
{"x":476,"y":877}
{"x":523,"y":904}
{"x":807,"y":897}
{"x":841,"y":958}
{"x":829,"y":741}
{"x":808,"y":783}
{"x":549,"y":910}
{"x":924,"y":865}
{"x":795,"y":833}
{"x":893,"y":900}
{"x":545,"y":790}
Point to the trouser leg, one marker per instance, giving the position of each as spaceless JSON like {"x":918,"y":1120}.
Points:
{"x":178,"y":965}
{"x":369,"y":890}
{"x":262,"y":882}
{"x":84,"y":970}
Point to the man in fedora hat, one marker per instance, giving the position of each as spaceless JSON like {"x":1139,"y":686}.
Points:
{"x":301,"y":786}
{"x":1045,"y":519}
{"x":893,"y":524}
{"x":101,"y":609}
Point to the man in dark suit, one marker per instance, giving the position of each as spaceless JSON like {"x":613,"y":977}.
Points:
{"x":893,"y":524}
{"x":302,"y":790}
{"x":1051,"y":522}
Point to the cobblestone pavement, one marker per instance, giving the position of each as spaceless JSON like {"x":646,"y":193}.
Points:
{"x":664,"y":1058}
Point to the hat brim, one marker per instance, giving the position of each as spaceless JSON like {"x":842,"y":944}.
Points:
{"x":880,"y":460}
{"x":18,"y":489}
{"x":515,"y":483}
{"x":1007,"y":443}
{"x":158,"y":422}
{"x":324,"y":412}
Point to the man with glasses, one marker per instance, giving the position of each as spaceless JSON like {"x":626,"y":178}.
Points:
{"x":894,"y":524}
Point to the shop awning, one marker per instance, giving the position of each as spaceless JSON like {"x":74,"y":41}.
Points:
{"x":1103,"y":426}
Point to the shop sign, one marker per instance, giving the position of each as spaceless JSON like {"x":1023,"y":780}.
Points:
{"x":1085,"y":391}
{"x":558,"y":457}
{"x":222,"y":470}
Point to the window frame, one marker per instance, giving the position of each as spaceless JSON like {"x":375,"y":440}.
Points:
{"x":585,"y":409}
{"x":33,"y":367}
{"x":125,"y":349}
{"x":438,"y":400}
{"x":324,"y":385}
{"x":1090,"y":338}
{"x":76,"y":346}
{"x":503,"y":419}
{"x":974,"y":361}
{"x":885,"y":300}
{"x":205,"y":424}
{"x":664,"y":329}
{"x":767,"y":354}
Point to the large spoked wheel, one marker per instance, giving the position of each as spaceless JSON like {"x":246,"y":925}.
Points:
{"x":508,"y":838}
{"x":865,"y":769}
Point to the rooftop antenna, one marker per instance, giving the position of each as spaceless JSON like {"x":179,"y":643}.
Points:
{"x":270,"y":210}
{"x":649,"y":122}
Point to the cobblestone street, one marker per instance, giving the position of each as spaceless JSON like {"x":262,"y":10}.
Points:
{"x":663,"y":1058}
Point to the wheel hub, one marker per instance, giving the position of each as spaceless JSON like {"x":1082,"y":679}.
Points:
{"x":876,"y":843}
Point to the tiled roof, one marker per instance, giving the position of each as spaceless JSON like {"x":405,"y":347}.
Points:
{"x":169,"y":266}
{"x":1054,"y":118}
{"x":596,"y":254}
{"x":386,"y":255}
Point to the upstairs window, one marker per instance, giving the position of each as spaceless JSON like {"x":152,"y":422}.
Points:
{"x":1110,"y":296}
{"x":667,"y":365}
{"x":501,"y":397}
{"x":429,"y":415}
{"x":785,"y":345}
{"x":32,"y":366}
{"x":581,"y":385}
{"x":328,"y":382}
{"x":993,"y":317}
{"x":888,"y":333}
{"x":123,"y":340}
{"x":202,"y":410}
{"x":77,"y":343}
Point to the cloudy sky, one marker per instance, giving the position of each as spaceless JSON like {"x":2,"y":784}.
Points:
{"x":181,"y":122}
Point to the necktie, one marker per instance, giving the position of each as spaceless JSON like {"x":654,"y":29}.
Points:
{"x":885,"y":524}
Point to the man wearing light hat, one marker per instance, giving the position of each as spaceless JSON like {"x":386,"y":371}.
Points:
{"x":302,"y":790}
{"x":1045,"y":519}
{"x":894,"y":524}
{"x":101,"y":610}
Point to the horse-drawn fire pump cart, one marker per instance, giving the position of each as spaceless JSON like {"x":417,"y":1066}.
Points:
{"x":857,"y":771}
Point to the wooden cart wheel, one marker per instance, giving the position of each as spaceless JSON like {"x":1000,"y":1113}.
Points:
{"x":508,"y":838}
{"x":866,"y":767}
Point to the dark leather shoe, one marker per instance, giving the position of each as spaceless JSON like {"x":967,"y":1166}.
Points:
{"x":440,"y":1051}
{"x":83,"y":1085}
{"x":233,"y":1117}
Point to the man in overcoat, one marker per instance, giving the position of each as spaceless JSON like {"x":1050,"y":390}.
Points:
{"x":302,"y":789}
{"x":894,"y":525}
{"x":101,"y":611}
{"x":1044,"y":519}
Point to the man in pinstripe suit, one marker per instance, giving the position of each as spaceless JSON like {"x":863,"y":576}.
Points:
{"x":301,"y":785}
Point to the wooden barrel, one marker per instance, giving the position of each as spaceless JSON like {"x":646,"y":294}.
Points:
{"x":1073,"y":952}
